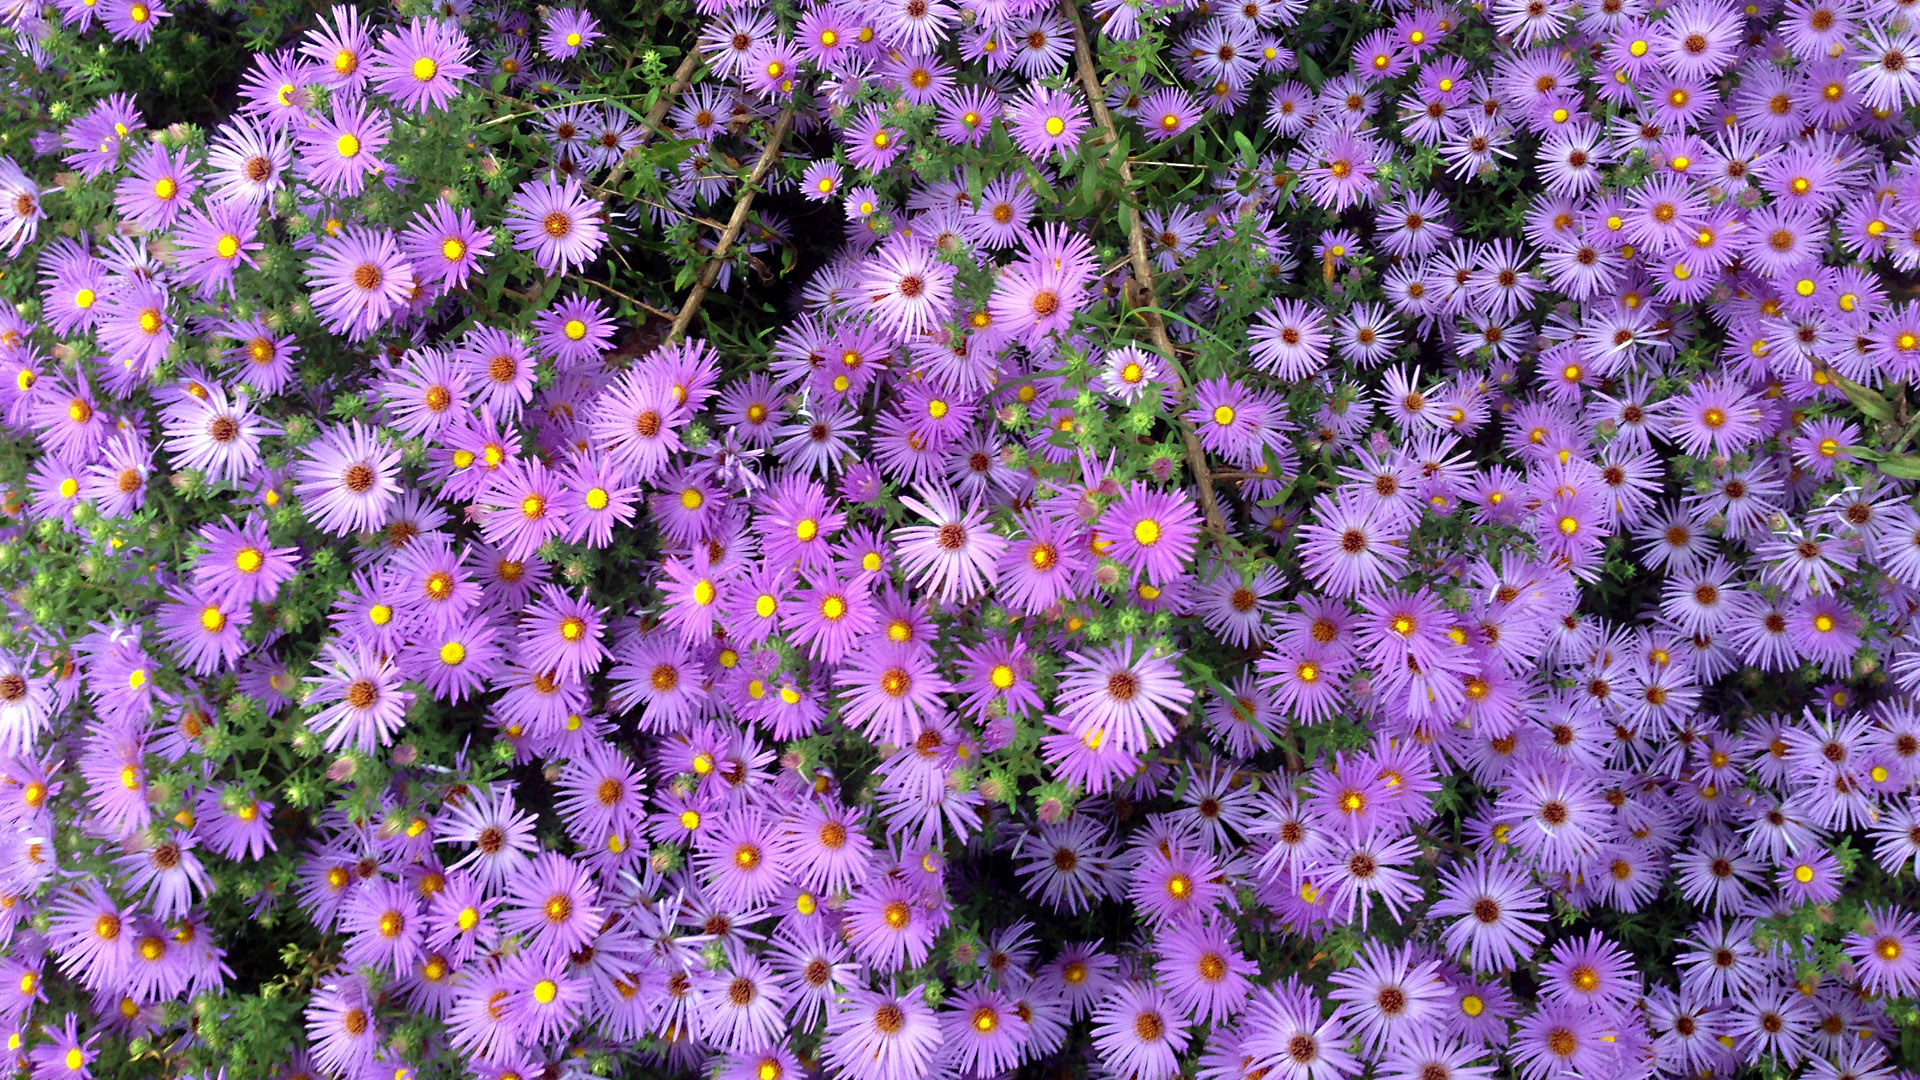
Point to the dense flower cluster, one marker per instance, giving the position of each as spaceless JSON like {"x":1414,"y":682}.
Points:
{"x":1422,"y":586}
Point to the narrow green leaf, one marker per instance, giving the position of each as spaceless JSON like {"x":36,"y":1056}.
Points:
{"x":1245,"y":144}
{"x":1867,"y":401}
{"x":1310,"y":70}
{"x":1904,"y":467}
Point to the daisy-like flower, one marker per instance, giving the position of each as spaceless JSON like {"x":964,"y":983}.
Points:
{"x":347,"y":481}
{"x":561,"y":634}
{"x":1887,"y":952}
{"x":359,"y":281}
{"x":876,"y":1034}
{"x":501,"y":835}
{"x":574,"y":331}
{"x":422,"y":64}
{"x":159,"y":189}
{"x":907,"y":289}
{"x":1353,"y":545}
{"x":1046,"y":120}
{"x":1290,"y":339}
{"x":249,"y":164}
{"x":956,"y":554}
{"x":553,"y":904}
{"x":1496,"y":911}
{"x":568,"y":31}
{"x":133,"y":20}
{"x":446,"y":245}
{"x":218,"y":436}
{"x":1388,"y":994}
{"x":520,"y":508}
{"x":339,"y":47}
{"x":891,"y":692}
{"x":338,"y":152}
{"x":1889,"y":73}
{"x":1139,"y":1033}
{"x":1121,"y":698}
{"x":204,"y":629}
{"x":214,"y":243}
{"x":20,"y":208}
{"x":559,"y":224}
{"x":1153,"y":533}
{"x":987,"y":1031}
{"x":364,"y":706}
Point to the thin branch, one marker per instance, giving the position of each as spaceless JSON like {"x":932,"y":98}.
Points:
{"x":1143,"y":268}
{"x":711,"y":272}
{"x":641,"y":304}
{"x":682,"y":78}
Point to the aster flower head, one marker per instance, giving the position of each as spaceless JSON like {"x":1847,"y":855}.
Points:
{"x":360,"y":281}
{"x":421,"y":64}
{"x":347,"y":480}
{"x":1046,"y":120}
{"x":1153,"y":533}
{"x":558,"y":223}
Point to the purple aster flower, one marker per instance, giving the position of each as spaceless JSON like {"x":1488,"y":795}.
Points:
{"x":557,"y":223}
{"x":1495,"y":910}
{"x":348,"y":481}
{"x":568,"y":31}
{"x":133,"y":20}
{"x":1118,"y":697}
{"x":384,"y":922}
{"x":553,"y":903}
{"x":446,"y":245}
{"x":1139,"y":1033}
{"x":249,"y":164}
{"x":338,"y":152}
{"x":561,"y":634}
{"x":519,"y":509}
{"x":160,"y":187}
{"x":338,"y":47}
{"x":422,"y":64}
{"x":1387,"y":994}
{"x":954,"y":556}
{"x":574,"y":331}
{"x":907,"y":289}
{"x":1153,"y":533}
{"x":1887,"y":952}
{"x":364,"y":705}
{"x":94,"y":140}
{"x":340,"y":1026}
{"x":1202,"y":972}
{"x":876,"y":1036}
{"x":214,"y":243}
{"x":360,"y":281}
{"x":1046,"y":120}
{"x":203,"y":630}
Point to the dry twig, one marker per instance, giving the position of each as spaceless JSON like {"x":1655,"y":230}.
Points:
{"x":1143,"y":269}
{"x":711,"y":272}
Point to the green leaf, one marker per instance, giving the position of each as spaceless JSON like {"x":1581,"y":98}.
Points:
{"x":1903,"y":467}
{"x":1247,"y":155}
{"x":1867,"y":401}
{"x":1309,"y":70}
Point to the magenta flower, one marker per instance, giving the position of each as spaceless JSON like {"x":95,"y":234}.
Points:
{"x":558,"y":224}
